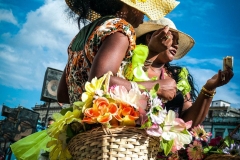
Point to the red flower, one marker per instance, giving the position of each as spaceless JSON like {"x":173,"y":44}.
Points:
{"x":215,"y":141}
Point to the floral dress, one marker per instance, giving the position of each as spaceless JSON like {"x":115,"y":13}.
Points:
{"x":78,"y":65}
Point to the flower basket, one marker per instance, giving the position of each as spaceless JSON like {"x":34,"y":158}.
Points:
{"x":126,"y":143}
{"x":222,"y":157}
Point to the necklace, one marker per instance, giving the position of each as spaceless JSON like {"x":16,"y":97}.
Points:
{"x":161,"y":72}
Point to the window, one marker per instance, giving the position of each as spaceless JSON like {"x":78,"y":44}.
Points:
{"x":219,"y":132}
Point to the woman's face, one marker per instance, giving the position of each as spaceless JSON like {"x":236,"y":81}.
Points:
{"x":168,"y":55}
{"x":131,"y":15}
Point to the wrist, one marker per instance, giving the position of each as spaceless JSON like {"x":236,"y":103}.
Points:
{"x":208,"y":93}
{"x":209,"y":88}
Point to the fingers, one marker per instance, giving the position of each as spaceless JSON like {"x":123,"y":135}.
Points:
{"x":161,"y":32}
{"x":226,"y":76}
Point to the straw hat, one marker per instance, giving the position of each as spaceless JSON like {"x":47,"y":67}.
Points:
{"x":154,"y":9}
{"x":185,"y":41}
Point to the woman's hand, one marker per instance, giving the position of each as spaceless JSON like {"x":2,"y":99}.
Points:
{"x":168,"y":89}
{"x":220,"y":79}
{"x":160,"y":41}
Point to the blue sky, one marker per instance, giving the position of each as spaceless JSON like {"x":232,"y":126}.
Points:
{"x":34,"y":35}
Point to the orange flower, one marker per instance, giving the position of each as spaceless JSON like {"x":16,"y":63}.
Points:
{"x":102,"y":111}
{"x":127,"y":114}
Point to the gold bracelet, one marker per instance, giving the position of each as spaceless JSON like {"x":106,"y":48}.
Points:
{"x":207,"y":95}
{"x":209,"y":92}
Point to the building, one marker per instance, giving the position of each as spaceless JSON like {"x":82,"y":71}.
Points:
{"x":222,"y":119}
{"x":42,"y":109}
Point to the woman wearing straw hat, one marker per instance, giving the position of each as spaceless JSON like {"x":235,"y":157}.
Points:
{"x":106,"y":43}
{"x":101,"y":46}
{"x":160,"y":68}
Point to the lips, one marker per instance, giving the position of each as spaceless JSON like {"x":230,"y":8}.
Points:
{"x":173,"y":51}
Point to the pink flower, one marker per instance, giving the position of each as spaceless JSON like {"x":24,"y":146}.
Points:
{"x":154,"y":130}
{"x":195,"y":151}
{"x":199,"y":133}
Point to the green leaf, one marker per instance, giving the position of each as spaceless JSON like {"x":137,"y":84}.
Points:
{"x":147,"y":124}
{"x":153,"y":91}
{"x":79,"y":104}
{"x":69,"y":131}
{"x":65,"y":110}
{"x":166,"y":146}
{"x":141,"y":87}
{"x":207,"y":149}
{"x":228,"y":141}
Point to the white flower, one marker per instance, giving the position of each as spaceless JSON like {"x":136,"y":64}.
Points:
{"x":134,"y":97}
{"x":159,"y":117}
{"x":173,"y":128}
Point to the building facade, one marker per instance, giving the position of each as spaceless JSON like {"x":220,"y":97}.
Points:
{"x":42,"y":109}
{"x":222,"y":119}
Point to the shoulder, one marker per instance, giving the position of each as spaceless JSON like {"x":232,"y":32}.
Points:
{"x":116,"y":25}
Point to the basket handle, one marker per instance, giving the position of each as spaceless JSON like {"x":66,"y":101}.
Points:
{"x":235,"y":130}
{"x":106,"y":130}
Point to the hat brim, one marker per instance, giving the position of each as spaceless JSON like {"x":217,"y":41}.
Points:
{"x":185,"y":42}
{"x":154,"y":9}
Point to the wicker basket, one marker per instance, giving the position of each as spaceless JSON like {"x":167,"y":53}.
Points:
{"x":125,"y":143}
{"x":222,"y":157}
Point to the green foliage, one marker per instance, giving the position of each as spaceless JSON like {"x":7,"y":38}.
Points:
{"x":147,"y":124}
{"x":228,"y":140}
{"x":153,"y":91}
{"x":78,"y":104}
{"x":65,"y":110}
{"x":166,"y":146}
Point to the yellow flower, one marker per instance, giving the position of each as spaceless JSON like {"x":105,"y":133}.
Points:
{"x":91,"y":90}
{"x":58,"y":148}
{"x":61,"y":121}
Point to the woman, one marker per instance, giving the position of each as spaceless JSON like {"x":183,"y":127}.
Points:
{"x":108,"y":42}
{"x":186,"y":103}
{"x":103,"y":45}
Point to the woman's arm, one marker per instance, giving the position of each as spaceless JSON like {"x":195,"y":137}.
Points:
{"x":62,"y":91}
{"x":109,"y":58}
{"x":199,"y":109}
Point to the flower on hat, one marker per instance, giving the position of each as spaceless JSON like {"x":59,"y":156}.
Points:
{"x":134,"y":1}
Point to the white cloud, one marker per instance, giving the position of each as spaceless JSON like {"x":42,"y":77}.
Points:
{"x":7,"y":16}
{"x":196,"y":61}
{"x":41,"y":42}
{"x":228,"y":92}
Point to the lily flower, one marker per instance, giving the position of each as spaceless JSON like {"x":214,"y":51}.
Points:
{"x":175,"y":129}
{"x":154,"y":130}
{"x":93,"y":89}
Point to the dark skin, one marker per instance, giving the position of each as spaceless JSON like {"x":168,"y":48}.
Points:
{"x":114,"y":47}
